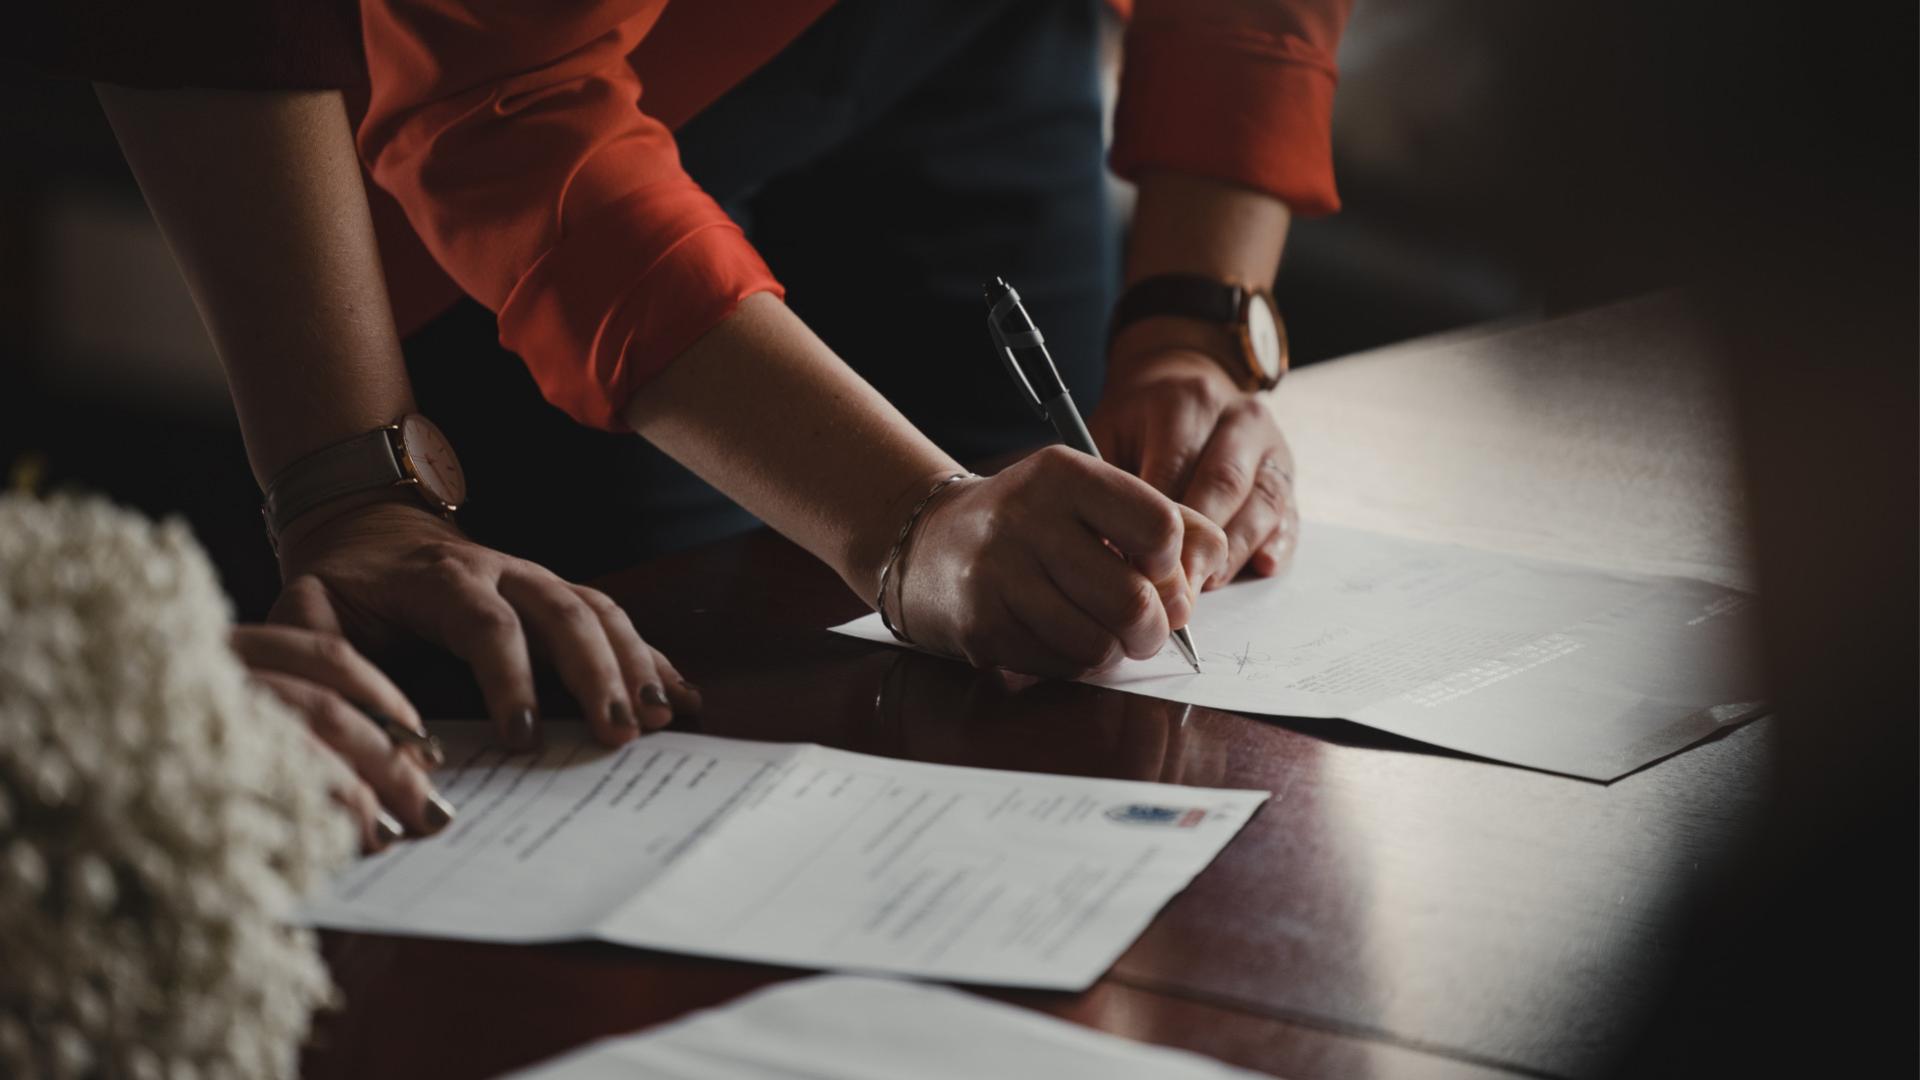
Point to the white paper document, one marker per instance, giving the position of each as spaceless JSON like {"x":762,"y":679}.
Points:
{"x":1555,"y":666}
{"x":792,"y":854}
{"x":853,"y":1028}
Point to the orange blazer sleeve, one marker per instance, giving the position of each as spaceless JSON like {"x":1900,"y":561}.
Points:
{"x":1234,"y":90}
{"x":512,"y":135}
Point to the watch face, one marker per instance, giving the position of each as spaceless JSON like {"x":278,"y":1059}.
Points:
{"x":429,"y":457}
{"x":1265,"y":340}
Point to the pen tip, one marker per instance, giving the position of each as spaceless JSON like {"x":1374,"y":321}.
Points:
{"x":1183,"y":644}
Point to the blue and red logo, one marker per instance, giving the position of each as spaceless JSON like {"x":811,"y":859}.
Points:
{"x":1177,"y":817}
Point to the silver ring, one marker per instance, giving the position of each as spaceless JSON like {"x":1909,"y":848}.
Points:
{"x":1271,"y":464}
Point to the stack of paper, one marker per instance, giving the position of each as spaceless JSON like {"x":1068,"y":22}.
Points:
{"x":1560,"y":667}
{"x":854,"y":1028}
{"x":793,"y":854}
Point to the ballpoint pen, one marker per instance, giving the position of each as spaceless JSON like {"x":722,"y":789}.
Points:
{"x":1024,"y":352}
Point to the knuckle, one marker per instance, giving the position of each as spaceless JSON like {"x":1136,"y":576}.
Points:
{"x":446,"y":570}
{"x":406,"y":782}
{"x":1167,"y":471}
{"x":443,"y":553}
{"x":1168,"y":525}
{"x":305,"y":587}
{"x":1054,"y":456}
{"x":1142,"y":603}
{"x":1251,"y":409}
{"x":492,"y":620}
{"x":1208,"y":395}
{"x":1269,"y":486}
{"x":332,"y":650}
{"x":1061,"y":460}
{"x":599,"y":602}
{"x":558,"y":604}
{"x":615,"y":620}
{"x":1223,"y":474}
{"x":329,"y":718}
{"x":1204,"y":396}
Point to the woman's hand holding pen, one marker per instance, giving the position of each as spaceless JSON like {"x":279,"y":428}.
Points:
{"x":1058,"y":565}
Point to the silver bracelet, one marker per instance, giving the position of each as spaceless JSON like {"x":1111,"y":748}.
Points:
{"x":899,"y":545}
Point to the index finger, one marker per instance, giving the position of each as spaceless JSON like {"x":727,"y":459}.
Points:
{"x":1124,"y":510}
{"x":1205,"y":548}
{"x":571,"y":636}
{"x":466,"y":613}
{"x":1225,"y":475}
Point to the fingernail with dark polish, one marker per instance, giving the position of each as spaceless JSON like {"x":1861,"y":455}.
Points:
{"x":689,"y":686}
{"x":386,"y":830}
{"x":620,"y":715}
{"x":653,"y":695}
{"x":523,"y":730}
{"x":438,"y":813}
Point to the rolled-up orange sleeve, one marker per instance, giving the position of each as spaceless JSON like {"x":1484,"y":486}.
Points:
{"x":1233,"y":90}
{"x":512,"y":135}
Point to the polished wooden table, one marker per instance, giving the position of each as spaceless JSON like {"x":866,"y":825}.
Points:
{"x":1393,"y":911}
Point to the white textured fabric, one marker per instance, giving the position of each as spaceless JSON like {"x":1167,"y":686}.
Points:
{"x":160,"y":815}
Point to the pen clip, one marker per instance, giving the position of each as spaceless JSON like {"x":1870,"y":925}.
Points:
{"x":1004,"y":343}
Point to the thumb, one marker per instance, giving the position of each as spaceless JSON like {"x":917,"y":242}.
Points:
{"x":1176,"y":596}
{"x":305,"y":602}
{"x":1203,"y":548}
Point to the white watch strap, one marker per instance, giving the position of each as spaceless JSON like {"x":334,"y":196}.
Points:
{"x":362,"y":463}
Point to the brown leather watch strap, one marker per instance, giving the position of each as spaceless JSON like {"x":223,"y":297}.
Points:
{"x":1189,"y":296}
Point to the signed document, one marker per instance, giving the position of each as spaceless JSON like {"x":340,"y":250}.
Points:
{"x":855,"y":1028}
{"x":1559,"y":667}
{"x":792,"y":854}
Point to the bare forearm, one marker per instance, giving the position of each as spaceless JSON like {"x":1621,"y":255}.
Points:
{"x":1190,"y":225}
{"x":764,"y":411}
{"x":259,"y":196}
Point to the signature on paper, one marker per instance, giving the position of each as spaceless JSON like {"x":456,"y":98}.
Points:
{"x":1254,"y":664}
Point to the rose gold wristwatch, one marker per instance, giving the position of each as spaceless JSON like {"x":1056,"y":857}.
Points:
{"x":409,"y":453}
{"x":1247,"y":312}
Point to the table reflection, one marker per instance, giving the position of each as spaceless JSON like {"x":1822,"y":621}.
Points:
{"x":940,"y":710}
